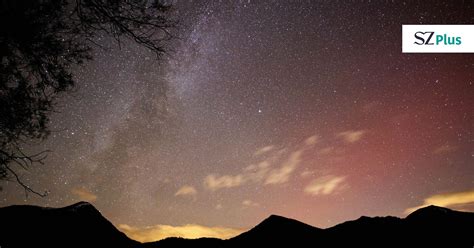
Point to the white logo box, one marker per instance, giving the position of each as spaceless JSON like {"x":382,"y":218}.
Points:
{"x":409,"y":41}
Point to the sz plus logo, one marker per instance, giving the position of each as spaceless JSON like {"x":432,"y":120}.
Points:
{"x":438,"y":38}
{"x":426,"y":38}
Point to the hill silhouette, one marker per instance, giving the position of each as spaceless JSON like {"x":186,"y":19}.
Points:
{"x":78,"y":225}
{"x":81,"y":225}
{"x":277,"y":231}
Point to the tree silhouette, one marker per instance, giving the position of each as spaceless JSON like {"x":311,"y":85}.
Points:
{"x":39,"y":43}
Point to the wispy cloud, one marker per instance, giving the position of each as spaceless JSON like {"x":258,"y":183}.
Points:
{"x":312,"y":140}
{"x":256,"y":172}
{"x":186,"y":190}
{"x":214,"y":182}
{"x":191,"y":231}
{"x":263,"y":172}
{"x":84,"y":195}
{"x":306,"y":173}
{"x":351,"y":136}
{"x":455,"y":200}
{"x":282,"y":174}
{"x":444,"y":149}
{"x":326,"y":185}
{"x":263,"y":150}
{"x":249,"y":203}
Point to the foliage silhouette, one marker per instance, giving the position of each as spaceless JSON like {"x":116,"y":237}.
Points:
{"x":40,"y":42}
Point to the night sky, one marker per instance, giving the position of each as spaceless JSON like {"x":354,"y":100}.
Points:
{"x":303,"y":109}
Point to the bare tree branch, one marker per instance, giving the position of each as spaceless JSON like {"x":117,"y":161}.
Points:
{"x":39,"y":43}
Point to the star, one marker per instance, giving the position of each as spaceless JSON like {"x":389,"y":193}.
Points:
{"x":137,"y":130}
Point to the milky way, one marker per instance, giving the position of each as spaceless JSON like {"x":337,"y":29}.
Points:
{"x":303,"y":109}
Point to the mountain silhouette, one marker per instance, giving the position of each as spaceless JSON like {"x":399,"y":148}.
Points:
{"x":81,"y":225}
{"x":78,"y":225}
{"x":277,"y":231}
{"x":427,"y":227}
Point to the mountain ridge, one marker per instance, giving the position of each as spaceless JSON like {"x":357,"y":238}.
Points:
{"x":77,"y":225}
{"x":82,"y":225}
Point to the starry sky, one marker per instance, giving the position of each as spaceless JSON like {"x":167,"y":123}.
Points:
{"x":306,"y":109}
